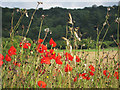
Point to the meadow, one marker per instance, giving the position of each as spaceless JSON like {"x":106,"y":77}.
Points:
{"x":28,"y":64}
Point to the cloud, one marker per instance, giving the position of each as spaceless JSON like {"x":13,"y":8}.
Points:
{"x":48,"y":4}
{"x":19,"y":5}
{"x":59,"y":0}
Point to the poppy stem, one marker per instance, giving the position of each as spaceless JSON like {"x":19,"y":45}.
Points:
{"x":51,"y":46}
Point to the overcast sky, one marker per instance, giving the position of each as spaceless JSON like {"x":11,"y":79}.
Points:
{"x":56,"y":3}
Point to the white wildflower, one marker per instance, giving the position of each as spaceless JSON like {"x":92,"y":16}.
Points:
{"x":46,"y":30}
{"x":85,"y":65}
{"x":26,"y":14}
{"x":17,"y":10}
{"x":117,"y":20}
{"x":108,"y":9}
{"x":84,"y":71}
{"x":43,"y":16}
{"x":31,"y":52}
{"x":83,"y":45}
{"x":24,"y":39}
{"x":50,"y":32}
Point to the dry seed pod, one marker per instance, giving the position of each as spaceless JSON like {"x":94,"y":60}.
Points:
{"x":70,"y":19}
{"x":66,"y":40}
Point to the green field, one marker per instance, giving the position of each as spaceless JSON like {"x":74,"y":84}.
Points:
{"x":90,"y":50}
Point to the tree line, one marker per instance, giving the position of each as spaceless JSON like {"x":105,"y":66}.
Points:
{"x":56,"y":19}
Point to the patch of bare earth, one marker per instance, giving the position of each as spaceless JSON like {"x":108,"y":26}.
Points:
{"x":104,"y":56}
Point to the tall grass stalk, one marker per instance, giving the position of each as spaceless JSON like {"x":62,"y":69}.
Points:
{"x":31,"y":20}
{"x":98,"y":47}
{"x":11,"y":32}
{"x":40,"y":28}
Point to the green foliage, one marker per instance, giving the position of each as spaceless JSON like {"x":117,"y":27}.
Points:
{"x":107,"y":44}
{"x":61,"y":44}
{"x":56,"y":20}
{"x":7,"y":43}
{"x":86,"y":19}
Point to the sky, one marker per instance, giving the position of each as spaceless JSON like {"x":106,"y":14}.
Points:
{"x":70,"y":4}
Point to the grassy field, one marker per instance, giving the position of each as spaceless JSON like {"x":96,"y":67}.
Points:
{"x":91,"y":50}
{"x":29,"y":74}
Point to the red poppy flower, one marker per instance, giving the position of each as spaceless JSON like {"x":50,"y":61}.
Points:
{"x":91,"y":73}
{"x":68,"y":68}
{"x":47,"y":54}
{"x":116,"y":75}
{"x":45,"y":60}
{"x":42,"y":84}
{"x":25,"y":45}
{"x":52,"y":51}
{"x":52,"y":56}
{"x":59,"y":55}
{"x":85,"y":76}
{"x":52,"y":43}
{"x":58,"y":61}
{"x":88,"y":78}
{"x":40,"y":70}
{"x":92,"y":68}
{"x":15,"y":63}
{"x":106,"y":73}
{"x":1,"y":62}
{"x":40,"y":40}
{"x":41,"y":48}
{"x":80,"y":74}
{"x":18,"y":64}
{"x":69,"y":56}
{"x":7,"y":58}
{"x":118,"y":66}
{"x":1,"y":57}
{"x":12,"y":51}
{"x":75,"y":79}
{"x":58,"y":70}
{"x":77,"y":59}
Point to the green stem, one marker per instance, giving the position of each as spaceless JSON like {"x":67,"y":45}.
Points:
{"x":31,"y":20}
{"x":18,"y":23}
{"x":66,"y":30}
{"x":44,"y":37}
{"x":40,"y":29}
{"x":12,"y":30}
